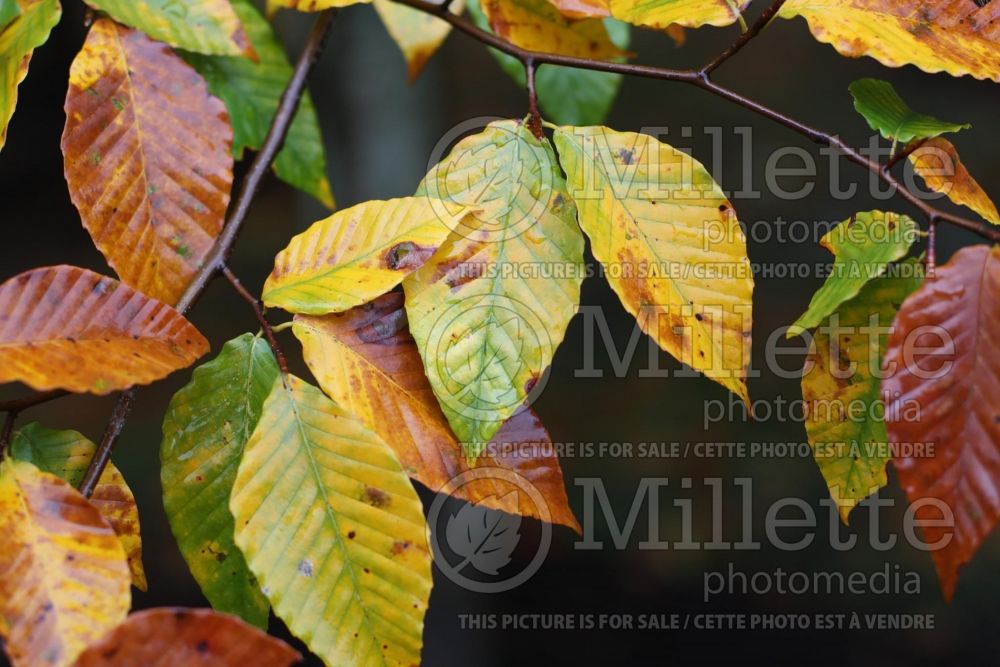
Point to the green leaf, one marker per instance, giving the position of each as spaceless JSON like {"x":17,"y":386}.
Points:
{"x":486,"y":335}
{"x":205,"y":430}
{"x":17,"y":41}
{"x":8,"y":12}
{"x":567,"y":96}
{"x":334,"y":531}
{"x":863,"y":246}
{"x":252,"y":91}
{"x":841,"y":389}
{"x":202,"y":26}
{"x":888,"y":114}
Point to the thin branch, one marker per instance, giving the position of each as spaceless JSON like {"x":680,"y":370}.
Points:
{"x":8,"y":429}
{"x":898,"y":157}
{"x":19,"y":404}
{"x":534,"y":117}
{"x":258,"y":311}
{"x":744,"y":38}
{"x":216,"y":260}
{"x":931,"y":261}
{"x":699,"y":80}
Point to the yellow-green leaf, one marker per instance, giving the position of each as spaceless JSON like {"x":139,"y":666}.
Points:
{"x":355,"y":255}
{"x":64,"y":580}
{"x":685,"y":13}
{"x":67,"y":454}
{"x":670,"y":243}
{"x":9,"y":10}
{"x":843,"y":410}
{"x":890,"y":116}
{"x":29,"y":30}
{"x":310,"y":5}
{"x":334,"y":531}
{"x":862,"y":246}
{"x":202,"y":26}
{"x":417,"y":33}
{"x":937,"y":162}
{"x":537,"y":25}
{"x":207,"y":425}
{"x":490,"y":307}
{"x":935,"y":35}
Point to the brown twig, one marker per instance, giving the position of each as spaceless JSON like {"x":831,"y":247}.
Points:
{"x":258,"y":311}
{"x":700,"y":79}
{"x":744,"y":38}
{"x":216,"y":260}
{"x":8,"y":429}
{"x":902,"y":154}
{"x":534,"y":117}
{"x":19,"y":404}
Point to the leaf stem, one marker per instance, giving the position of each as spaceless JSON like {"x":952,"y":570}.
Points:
{"x":534,"y":117}
{"x":258,"y":311}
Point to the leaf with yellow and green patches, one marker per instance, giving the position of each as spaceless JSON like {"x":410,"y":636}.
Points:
{"x":28,"y":25}
{"x":334,"y":531}
{"x":841,"y":388}
{"x":9,"y":10}
{"x":310,"y":5}
{"x":685,"y":13}
{"x":67,"y":454}
{"x":417,"y":33}
{"x":490,"y":307}
{"x":937,"y":162}
{"x":64,"y":580}
{"x":537,"y":25}
{"x":207,"y":425}
{"x":863,"y":247}
{"x":935,"y":35}
{"x":670,"y":243}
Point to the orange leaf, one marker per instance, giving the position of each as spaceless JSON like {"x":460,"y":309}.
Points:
{"x":366,"y":360}
{"x":955,"y":407}
{"x":62,"y":327}
{"x":147,"y":158}
{"x":188,"y":637}
{"x":537,"y":25}
{"x":937,"y":162}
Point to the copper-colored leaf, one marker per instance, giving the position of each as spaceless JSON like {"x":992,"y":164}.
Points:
{"x":949,"y":395}
{"x":165,"y":637}
{"x":62,"y":327}
{"x":147,"y":158}
{"x":937,"y":162}
{"x":366,"y":360}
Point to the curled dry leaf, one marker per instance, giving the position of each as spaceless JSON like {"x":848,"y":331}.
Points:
{"x":147,"y":158}
{"x":366,"y":361}
{"x":176,"y":637}
{"x":64,"y":581}
{"x":937,"y":162}
{"x":942,"y":365}
{"x":62,"y":327}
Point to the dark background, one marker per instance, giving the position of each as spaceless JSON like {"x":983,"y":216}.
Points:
{"x":379,"y":132}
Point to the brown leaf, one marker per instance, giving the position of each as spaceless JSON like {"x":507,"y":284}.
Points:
{"x":937,"y":162}
{"x":958,"y":404}
{"x":114,"y":500}
{"x":169,"y":636}
{"x":63,"y":327}
{"x":366,"y":360}
{"x":147,"y":158}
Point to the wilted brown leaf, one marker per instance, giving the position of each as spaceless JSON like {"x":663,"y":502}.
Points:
{"x":62,"y":327}
{"x":943,"y":388}
{"x":366,"y":360}
{"x":147,"y":158}
{"x":169,"y":637}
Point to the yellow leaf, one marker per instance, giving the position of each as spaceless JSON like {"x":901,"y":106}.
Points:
{"x":937,"y":162}
{"x":537,"y":25}
{"x":333,"y":530}
{"x":355,"y":255}
{"x":670,"y":243}
{"x":64,"y":580}
{"x":582,"y":9}
{"x":685,"y":13}
{"x":17,"y":42}
{"x":417,"y":33}
{"x":309,"y":5}
{"x":935,"y":35}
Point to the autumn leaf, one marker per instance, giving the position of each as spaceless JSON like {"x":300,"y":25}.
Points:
{"x":202,"y":26}
{"x":9,"y":10}
{"x":355,"y":255}
{"x":935,"y":35}
{"x":147,"y":158}
{"x":670,"y":243}
{"x":863,"y":247}
{"x":66,"y":454}
{"x":942,"y":387}
{"x":937,"y":162}
{"x":582,"y":9}
{"x":69,"y":328}
{"x":207,"y":425}
{"x":886,"y":112}
{"x":28,"y":27}
{"x":684,"y":13}
{"x":486,"y":335}
{"x":188,"y":638}
{"x":251,"y":92}
{"x":536,"y":25}
{"x":333,"y":530}
{"x":310,"y":5}
{"x":64,"y":581}
{"x":417,"y":33}
{"x":841,"y":388}
{"x":367,"y":362}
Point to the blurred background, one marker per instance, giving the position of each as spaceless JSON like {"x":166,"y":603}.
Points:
{"x":379,"y":132}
